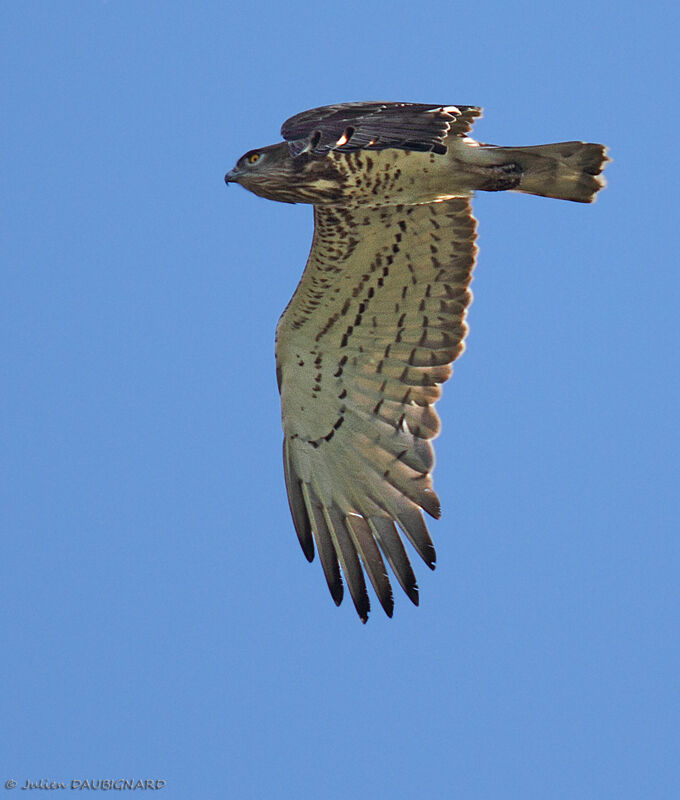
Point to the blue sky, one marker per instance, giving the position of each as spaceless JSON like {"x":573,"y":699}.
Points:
{"x":159,"y":619}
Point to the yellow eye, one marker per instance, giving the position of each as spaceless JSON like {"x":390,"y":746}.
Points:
{"x":253,"y":157}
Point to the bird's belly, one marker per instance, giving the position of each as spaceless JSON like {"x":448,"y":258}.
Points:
{"x":393,"y":177}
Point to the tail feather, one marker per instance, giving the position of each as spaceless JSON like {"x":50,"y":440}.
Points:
{"x":566,"y":170}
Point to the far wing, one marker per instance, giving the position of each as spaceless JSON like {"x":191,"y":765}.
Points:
{"x":370,"y":333}
{"x":376,"y":126}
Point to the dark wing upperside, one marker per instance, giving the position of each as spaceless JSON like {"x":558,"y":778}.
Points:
{"x":376,"y":126}
{"x":372,"y":329}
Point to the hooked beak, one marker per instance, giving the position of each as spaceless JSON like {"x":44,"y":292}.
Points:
{"x":232,"y":176}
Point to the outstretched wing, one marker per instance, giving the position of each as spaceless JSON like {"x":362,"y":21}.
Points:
{"x":370,"y":333}
{"x":376,"y":126}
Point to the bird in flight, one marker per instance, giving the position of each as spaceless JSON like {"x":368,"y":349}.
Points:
{"x":379,"y":314}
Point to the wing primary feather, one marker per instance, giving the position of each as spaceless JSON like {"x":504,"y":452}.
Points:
{"x":324,"y":543}
{"x":296,"y":502}
{"x":349,"y":560}
{"x":414,"y":485}
{"x":372,"y":560}
{"x":419,"y":455}
{"x":387,"y":537}
{"x":413,"y":525}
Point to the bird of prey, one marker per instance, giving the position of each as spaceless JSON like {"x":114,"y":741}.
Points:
{"x":379,"y":314}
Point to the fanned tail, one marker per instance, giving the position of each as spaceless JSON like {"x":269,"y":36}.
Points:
{"x":565,"y":170}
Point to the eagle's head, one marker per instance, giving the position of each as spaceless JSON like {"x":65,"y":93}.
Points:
{"x":272,"y":172}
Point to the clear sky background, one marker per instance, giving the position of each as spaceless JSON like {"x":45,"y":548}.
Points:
{"x":159,"y":618}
